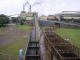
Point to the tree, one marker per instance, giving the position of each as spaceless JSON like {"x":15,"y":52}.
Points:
{"x":22,"y":22}
{"x":3,"y":20}
{"x":15,"y":20}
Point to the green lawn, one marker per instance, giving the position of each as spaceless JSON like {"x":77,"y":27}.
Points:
{"x":24,"y":27}
{"x":3,"y":28}
{"x":42,"y":28}
{"x":13,"y":48}
{"x":72,"y":34}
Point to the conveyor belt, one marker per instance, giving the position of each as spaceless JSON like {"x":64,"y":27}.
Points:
{"x":33,"y":52}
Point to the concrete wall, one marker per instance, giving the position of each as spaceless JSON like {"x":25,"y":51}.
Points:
{"x":69,"y":26}
{"x":52,"y":23}
{"x":45,"y":23}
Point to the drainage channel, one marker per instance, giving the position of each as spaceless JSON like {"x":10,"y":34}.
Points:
{"x":33,"y":49}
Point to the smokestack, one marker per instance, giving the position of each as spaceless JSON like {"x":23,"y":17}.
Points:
{"x":23,"y":8}
{"x":30,"y":8}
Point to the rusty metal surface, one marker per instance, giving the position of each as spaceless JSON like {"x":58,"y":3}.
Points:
{"x":60,"y":48}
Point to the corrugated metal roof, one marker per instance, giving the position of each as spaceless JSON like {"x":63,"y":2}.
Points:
{"x":78,"y":15}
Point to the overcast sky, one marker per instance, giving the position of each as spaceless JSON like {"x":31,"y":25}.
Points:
{"x":45,"y":7}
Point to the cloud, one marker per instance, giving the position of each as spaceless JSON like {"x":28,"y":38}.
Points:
{"x":45,"y":7}
{"x":56,"y":6}
{"x":10,"y":6}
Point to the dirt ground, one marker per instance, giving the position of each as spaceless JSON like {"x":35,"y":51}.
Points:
{"x":11,"y":34}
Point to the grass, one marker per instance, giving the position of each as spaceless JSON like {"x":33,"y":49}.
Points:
{"x":24,"y":27}
{"x":5,"y":34}
{"x":13,"y":48}
{"x":72,"y":34}
{"x":43,"y":28}
{"x":3,"y":28}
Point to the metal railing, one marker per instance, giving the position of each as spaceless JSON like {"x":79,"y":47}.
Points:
{"x":60,"y":48}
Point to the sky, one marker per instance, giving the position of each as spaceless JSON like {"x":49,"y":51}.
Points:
{"x":43,"y":7}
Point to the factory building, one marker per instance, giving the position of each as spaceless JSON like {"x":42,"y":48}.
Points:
{"x":51,"y":17}
{"x":69,"y":15}
{"x":28,"y":15}
{"x":43,"y":17}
